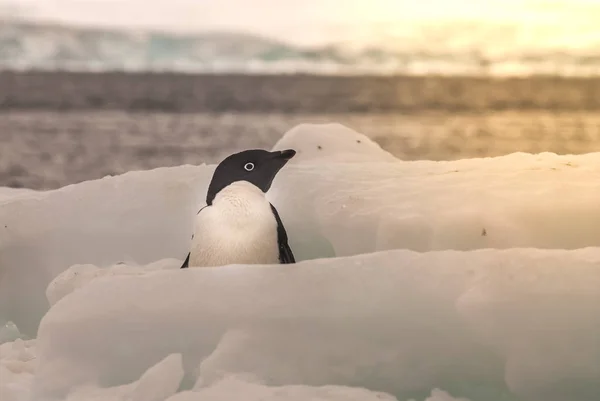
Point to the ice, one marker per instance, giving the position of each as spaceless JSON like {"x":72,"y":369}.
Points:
{"x":520,"y":321}
{"x":17,"y":366}
{"x":78,"y":275}
{"x":330,"y":143}
{"x":9,"y":332}
{"x":519,"y":200}
{"x":7,"y":193}
{"x":137,"y":217}
{"x":477,"y":277}
{"x":439,"y":395}
{"x":156,"y":384}
{"x":232,"y":388}
{"x":549,"y":334}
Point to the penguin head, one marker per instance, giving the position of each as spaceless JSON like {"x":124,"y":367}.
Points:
{"x":258,"y":167}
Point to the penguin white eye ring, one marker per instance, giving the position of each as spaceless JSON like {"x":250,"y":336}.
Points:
{"x":249,"y":166}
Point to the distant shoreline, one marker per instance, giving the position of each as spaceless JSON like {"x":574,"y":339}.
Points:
{"x":293,"y":93}
{"x":449,"y":76}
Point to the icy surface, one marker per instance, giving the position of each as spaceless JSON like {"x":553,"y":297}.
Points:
{"x":232,"y":388}
{"x":500,"y":301}
{"x":157,"y":384}
{"x":78,"y":275}
{"x":17,"y":366}
{"x":524,"y":322}
{"x":519,"y":200}
{"x":139,"y":217}
{"x":7,"y":193}
{"x":331,"y":143}
{"x":9,"y":332}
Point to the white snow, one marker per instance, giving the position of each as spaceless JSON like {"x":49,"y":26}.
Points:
{"x":398,"y":321}
{"x":470,"y":280}
{"x":17,"y":367}
{"x":158,"y":383}
{"x":438,"y":395}
{"x":7,"y":193}
{"x":519,"y":200}
{"x":138,"y":217}
{"x":78,"y":275}
{"x":9,"y":332}
{"x":331,"y":143}
{"x":231,"y":388}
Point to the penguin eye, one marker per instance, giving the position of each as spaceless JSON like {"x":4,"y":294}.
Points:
{"x":249,"y":166}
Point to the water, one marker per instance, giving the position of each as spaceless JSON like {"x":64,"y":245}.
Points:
{"x":49,"y":149}
{"x":62,"y":128}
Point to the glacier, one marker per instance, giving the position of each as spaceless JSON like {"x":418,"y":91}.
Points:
{"x":454,"y":48}
{"x":475,"y":279}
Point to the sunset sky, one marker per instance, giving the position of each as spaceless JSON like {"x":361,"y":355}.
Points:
{"x":306,"y":21}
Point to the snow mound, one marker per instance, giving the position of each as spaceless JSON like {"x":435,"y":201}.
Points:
{"x":332,"y":142}
{"x":329,"y":209}
{"x":523,"y":322}
{"x":9,"y":332}
{"x":232,"y":388}
{"x":7,"y":193}
{"x":480,"y":277}
{"x":17,"y":367}
{"x":157,"y":384}
{"x":79,"y":275}
{"x":439,"y":395}
{"x":137,"y":217}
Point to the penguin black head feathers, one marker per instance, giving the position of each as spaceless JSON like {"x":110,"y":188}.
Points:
{"x":258,"y":167}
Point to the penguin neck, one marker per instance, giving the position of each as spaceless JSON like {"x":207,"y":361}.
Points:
{"x":239,"y":227}
{"x":240,"y":195}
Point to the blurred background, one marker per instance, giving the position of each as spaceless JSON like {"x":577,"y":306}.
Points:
{"x":90,"y":88}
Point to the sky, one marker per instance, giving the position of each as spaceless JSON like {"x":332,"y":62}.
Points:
{"x":308,"y":21}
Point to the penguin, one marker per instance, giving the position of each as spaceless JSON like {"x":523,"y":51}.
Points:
{"x":239,"y":225}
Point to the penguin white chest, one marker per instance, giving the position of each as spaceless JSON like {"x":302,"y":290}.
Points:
{"x":238,"y":228}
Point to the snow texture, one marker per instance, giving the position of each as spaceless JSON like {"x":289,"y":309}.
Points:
{"x":480,"y":278}
{"x":331,"y":143}
{"x":158,"y":383}
{"x":17,"y":367}
{"x":143,"y":217}
{"x":231,"y":388}
{"x":78,"y":275}
{"x":7,"y":193}
{"x":398,"y":321}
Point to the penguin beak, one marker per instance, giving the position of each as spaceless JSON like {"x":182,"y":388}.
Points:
{"x":285,"y":154}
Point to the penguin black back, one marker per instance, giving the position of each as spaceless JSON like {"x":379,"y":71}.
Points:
{"x":285,"y":252}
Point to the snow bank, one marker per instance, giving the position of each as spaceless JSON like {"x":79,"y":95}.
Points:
{"x":480,"y":314}
{"x":522,"y":322}
{"x":331,"y":143}
{"x":329,"y":209}
{"x":9,"y":332}
{"x":232,"y":389}
{"x":157,"y":384}
{"x":79,"y":275}
{"x":137,"y":217}
{"x":7,"y":193}
{"x":17,"y":366}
